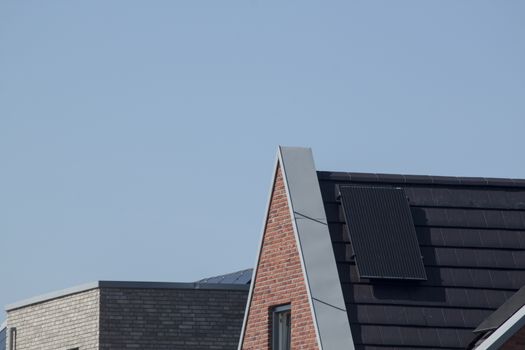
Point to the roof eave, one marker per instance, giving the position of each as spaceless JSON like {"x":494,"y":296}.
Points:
{"x":504,"y":332}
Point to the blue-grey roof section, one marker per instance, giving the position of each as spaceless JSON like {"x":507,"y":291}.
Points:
{"x":122,"y":284}
{"x":238,"y":277}
{"x":3,"y":336}
{"x":315,"y":246}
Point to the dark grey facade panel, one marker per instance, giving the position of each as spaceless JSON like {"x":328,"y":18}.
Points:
{"x":382,"y":233}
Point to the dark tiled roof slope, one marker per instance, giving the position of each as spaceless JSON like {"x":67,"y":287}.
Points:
{"x":472,"y":236}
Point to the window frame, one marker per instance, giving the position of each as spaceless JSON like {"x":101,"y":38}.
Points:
{"x":12,"y":338}
{"x":277,"y":311}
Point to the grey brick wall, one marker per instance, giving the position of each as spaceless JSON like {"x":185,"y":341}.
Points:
{"x":171,"y":318}
{"x":59,"y":324}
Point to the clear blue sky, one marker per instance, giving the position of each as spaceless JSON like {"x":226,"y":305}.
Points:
{"x":137,"y":138}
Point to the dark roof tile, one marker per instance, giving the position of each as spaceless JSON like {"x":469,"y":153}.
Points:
{"x":501,"y":182}
{"x":363,"y":177}
{"x":504,"y":312}
{"x":391,"y":178}
{"x":472,"y":237}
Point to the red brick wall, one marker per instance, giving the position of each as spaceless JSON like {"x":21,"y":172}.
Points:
{"x":279,"y":280}
{"x":516,"y":342}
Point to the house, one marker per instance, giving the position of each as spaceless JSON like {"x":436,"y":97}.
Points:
{"x":377,"y":261}
{"x":346,"y":261}
{"x":142,"y":315}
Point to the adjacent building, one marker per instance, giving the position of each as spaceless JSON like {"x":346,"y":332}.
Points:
{"x":139,"y":315}
{"x":377,"y":261}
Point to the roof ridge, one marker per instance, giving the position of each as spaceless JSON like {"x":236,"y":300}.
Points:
{"x":421,"y":179}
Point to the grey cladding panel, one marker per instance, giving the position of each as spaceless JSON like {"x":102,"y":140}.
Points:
{"x":382,"y":233}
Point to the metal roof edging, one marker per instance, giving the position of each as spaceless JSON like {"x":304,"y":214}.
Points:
{"x":315,"y":248}
{"x":121,"y":284}
{"x":504,"y":332}
{"x":52,"y":295}
{"x":257,"y":258}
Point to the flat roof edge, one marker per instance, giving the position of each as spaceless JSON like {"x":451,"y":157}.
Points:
{"x":122,"y":284}
{"x":172,"y":285}
{"x":51,"y":295}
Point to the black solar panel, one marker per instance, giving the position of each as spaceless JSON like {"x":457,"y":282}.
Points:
{"x":382,"y":233}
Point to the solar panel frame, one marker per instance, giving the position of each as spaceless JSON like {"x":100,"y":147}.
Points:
{"x":382,"y":233}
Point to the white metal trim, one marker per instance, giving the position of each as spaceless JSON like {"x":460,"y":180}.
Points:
{"x":504,"y":332}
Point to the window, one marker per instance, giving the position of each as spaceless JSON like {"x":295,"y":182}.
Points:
{"x":12,"y":338}
{"x":281,"y":328}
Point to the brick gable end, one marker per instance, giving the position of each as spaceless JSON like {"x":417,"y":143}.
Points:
{"x":279,"y":280}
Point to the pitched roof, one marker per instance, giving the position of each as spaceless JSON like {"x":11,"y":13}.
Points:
{"x":471,"y":233}
{"x":238,"y":277}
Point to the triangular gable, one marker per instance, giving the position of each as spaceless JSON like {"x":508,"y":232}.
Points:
{"x":296,"y":264}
